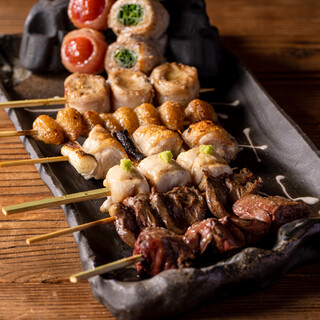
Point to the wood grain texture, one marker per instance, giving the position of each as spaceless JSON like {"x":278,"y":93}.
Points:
{"x":279,"y":40}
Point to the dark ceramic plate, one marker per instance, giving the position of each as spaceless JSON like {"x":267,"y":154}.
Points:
{"x":289,"y":154}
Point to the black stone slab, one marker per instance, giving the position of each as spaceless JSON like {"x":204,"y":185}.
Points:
{"x":290,"y":153}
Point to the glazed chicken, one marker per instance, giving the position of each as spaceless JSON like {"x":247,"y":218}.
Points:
{"x":107,"y":151}
{"x":129,"y":88}
{"x":209,"y":133}
{"x":84,"y":163}
{"x":153,"y":139}
{"x":175,"y":82}
{"x":71,"y":121}
{"x":87,"y":92}
{"x":147,"y":114}
{"x":145,"y":18}
{"x":203,"y":158}
{"x":127,"y":118}
{"x":199,"y":110}
{"x":163,"y":175}
{"x":172,"y":115}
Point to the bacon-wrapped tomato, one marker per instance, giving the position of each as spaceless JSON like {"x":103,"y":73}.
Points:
{"x":90,"y":13}
{"x":83,"y":51}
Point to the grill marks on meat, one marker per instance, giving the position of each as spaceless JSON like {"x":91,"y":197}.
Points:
{"x":176,"y":210}
{"x":161,"y":249}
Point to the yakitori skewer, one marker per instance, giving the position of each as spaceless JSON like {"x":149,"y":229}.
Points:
{"x":33,"y":102}
{"x":14,"y":163}
{"x":56,"y":201}
{"x":70,"y":230}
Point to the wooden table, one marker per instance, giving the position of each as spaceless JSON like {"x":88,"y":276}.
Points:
{"x":279,"y":40}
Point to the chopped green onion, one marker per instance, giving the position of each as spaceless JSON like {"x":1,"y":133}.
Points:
{"x":125,"y":58}
{"x":126,"y":165}
{"x":165,"y":156}
{"x":206,"y":149}
{"x":130,"y":14}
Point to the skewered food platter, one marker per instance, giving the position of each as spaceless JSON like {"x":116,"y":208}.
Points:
{"x":147,"y":297}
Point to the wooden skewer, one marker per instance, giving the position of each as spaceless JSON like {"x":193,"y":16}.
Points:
{"x":18,"y":133}
{"x":70,"y":230}
{"x":56,"y":201}
{"x":33,"y":103}
{"x":33,"y":161}
{"x":119,"y":264}
{"x":204,"y":90}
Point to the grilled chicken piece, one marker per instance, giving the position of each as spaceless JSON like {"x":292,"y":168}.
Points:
{"x":214,"y":236}
{"x":147,"y":114}
{"x":196,"y":162}
{"x":71,"y":122}
{"x":161,"y":250}
{"x":87,"y":92}
{"x":163,"y":175}
{"x":145,"y":18}
{"x":84,"y":163}
{"x":105,"y":149}
{"x":179,"y":208}
{"x":49,"y":130}
{"x":175,"y":82}
{"x":127,"y":119}
{"x":132,"y":52}
{"x":145,"y":215}
{"x":91,"y":119}
{"x":199,"y":110}
{"x":172,"y":115}
{"x":209,"y":133}
{"x":129,"y":88}
{"x":242,"y":183}
{"x":276,"y":210}
{"x":123,"y":184}
{"x":110,"y":122}
{"x":126,"y":223}
{"x":153,"y":139}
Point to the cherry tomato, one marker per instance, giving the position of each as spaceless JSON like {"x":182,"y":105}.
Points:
{"x":78,"y":50}
{"x":87,"y":10}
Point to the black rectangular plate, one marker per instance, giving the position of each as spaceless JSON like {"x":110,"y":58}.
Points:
{"x":290,"y":154}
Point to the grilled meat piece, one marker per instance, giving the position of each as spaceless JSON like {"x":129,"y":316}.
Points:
{"x":162,"y":250}
{"x":91,"y":118}
{"x":216,"y":194}
{"x":127,"y":119}
{"x":145,"y":215}
{"x":242,"y":183}
{"x":126,"y":223}
{"x":49,"y":130}
{"x":147,"y":114}
{"x":110,"y":122}
{"x":198,"y":110}
{"x":179,"y":208}
{"x":213,"y":235}
{"x":276,"y":210}
{"x":172,"y":115}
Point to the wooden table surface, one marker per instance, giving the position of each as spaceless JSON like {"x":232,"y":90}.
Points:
{"x":279,"y":40}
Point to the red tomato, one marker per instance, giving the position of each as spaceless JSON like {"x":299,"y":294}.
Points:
{"x":83,"y":51}
{"x":90,"y":13}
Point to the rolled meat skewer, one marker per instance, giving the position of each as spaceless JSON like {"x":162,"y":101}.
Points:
{"x":130,"y":88}
{"x":83,"y":51}
{"x":175,"y":82}
{"x":209,"y":133}
{"x":145,"y":18}
{"x":87,"y":92}
{"x":90,"y":13}
{"x":134,"y":53}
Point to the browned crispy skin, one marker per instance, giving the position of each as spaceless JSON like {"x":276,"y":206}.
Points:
{"x":110,"y":122}
{"x":49,"y":130}
{"x":127,"y":119}
{"x":198,"y":110}
{"x":71,"y":122}
{"x":147,"y":114}
{"x":91,"y":118}
{"x":172,"y":115}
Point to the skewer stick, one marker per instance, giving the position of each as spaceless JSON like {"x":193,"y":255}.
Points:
{"x":33,"y":103}
{"x":119,"y":264}
{"x":56,"y":201}
{"x":33,"y":161}
{"x":70,"y":230}
{"x":18,"y":133}
{"x":204,"y":90}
